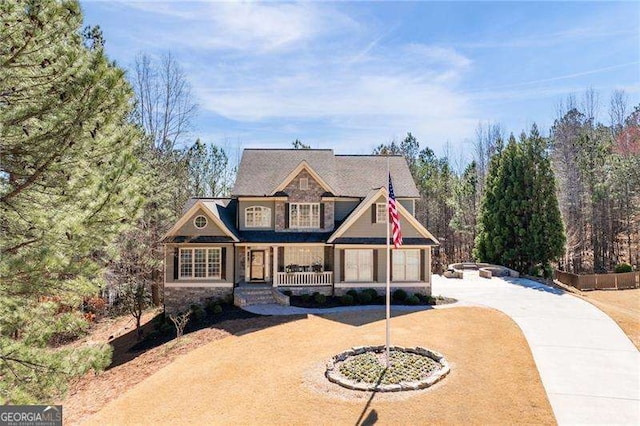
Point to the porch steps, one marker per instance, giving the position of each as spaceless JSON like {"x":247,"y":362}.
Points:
{"x":245,"y":296}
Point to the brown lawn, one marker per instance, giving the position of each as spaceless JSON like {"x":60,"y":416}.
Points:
{"x":92,"y":392}
{"x":274,"y":375}
{"x":621,"y":305}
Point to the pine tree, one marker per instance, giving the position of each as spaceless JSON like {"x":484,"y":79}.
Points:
{"x":67,"y":188}
{"x":520,"y":225}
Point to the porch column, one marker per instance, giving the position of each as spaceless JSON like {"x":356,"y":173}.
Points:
{"x":274,"y":271}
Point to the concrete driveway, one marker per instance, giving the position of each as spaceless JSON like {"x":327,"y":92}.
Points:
{"x":589,"y":367}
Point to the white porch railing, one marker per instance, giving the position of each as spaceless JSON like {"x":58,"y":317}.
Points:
{"x":304,"y":278}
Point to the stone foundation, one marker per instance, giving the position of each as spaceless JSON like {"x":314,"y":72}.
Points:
{"x":179,"y":299}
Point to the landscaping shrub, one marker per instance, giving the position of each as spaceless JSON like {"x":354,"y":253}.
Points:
{"x":372,"y":292}
{"x":622,"y":268}
{"x":352,"y":293}
{"x":287,"y":293}
{"x":197,"y":313}
{"x":548,"y":271}
{"x":320,"y":299}
{"x":364,"y":298}
{"x":399,"y":295}
{"x":536,"y":271}
{"x":347,"y":300}
{"x":210,"y":305}
{"x":305,"y":297}
{"x":217,"y":310}
{"x":412,"y":300}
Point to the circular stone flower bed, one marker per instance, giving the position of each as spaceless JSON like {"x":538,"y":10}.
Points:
{"x":364,"y":368}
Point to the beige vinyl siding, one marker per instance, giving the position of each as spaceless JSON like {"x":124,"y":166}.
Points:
{"x":344,"y":208}
{"x":407,"y":204}
{"x":364,"y":228}
{"x":189,"y":228}
{"x":169,"y":264}
{"x":242,"y":205}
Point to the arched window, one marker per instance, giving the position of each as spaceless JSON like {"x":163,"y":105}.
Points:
{"x":257,"y":217}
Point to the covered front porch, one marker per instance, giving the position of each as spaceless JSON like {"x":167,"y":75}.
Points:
{"x":293,"y":265}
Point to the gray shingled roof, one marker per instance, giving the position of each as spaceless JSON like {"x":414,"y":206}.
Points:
{"x":262,"y":170}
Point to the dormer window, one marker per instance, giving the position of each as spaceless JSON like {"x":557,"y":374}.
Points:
{"x":257,"y":217}
{"x":304,"y":184}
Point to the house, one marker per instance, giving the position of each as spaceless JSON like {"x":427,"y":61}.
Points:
{"x":300,"y":220}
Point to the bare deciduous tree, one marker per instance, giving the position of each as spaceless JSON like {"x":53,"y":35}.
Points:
{"x":165,"y":107}
{"x":180,"y":321}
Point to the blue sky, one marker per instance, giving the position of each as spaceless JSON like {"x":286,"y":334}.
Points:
{"x":350,"y":76}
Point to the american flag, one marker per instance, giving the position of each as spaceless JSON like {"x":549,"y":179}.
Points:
{"x":395,"y":219}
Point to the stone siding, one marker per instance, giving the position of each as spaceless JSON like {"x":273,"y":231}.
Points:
{"x":311,"y":195}
{"x":179,"y":299}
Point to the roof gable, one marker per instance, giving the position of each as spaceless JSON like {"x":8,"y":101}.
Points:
{"x":364,"y":207}
{"x":261,"y":172}
{"x":210,"y":208}
{"x":295,"y":172}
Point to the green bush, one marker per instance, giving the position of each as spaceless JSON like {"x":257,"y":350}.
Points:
{"x":347,"y":300}
{"x":167,"y":328}
{"x":412,"y":300}
{"x":211,"y":305}
{"x":287,"y":293}
{"x":399,"y":295}
{"x":548,"y":271}
{"x":536,"y":271}
{"x":217,"y":310}
{"x":621,"y":268}
{"x":320,"y":299}
{"x":353,"y":294}
{"x":372,"y":292}
{"x":305,"y":297}
{"x":364,"y":298}
{"x":197,"y":313}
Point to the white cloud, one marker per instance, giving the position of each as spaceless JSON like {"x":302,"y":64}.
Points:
{"x":247,"y":26}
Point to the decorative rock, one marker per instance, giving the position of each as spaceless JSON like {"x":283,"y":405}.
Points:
{"x":334,"y":375}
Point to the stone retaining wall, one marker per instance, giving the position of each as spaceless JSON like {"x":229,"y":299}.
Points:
{"x":178,"y":299}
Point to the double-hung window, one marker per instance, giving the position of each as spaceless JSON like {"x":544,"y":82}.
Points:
{"x":406,"y":265}
{"x":358,"y":265}
{"x":381,"y":213}
{"x":200,"y":263}
{"x":304,"y":215}
{"x":257,"y":217}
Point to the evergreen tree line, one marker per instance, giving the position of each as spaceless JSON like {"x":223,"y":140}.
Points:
{"x":94,"y":170}
{"x":500,"y":207}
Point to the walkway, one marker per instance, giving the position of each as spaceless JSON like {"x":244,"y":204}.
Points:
{"x":589,"y":367}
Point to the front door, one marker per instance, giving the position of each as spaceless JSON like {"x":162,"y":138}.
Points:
{"x":257,"y":265}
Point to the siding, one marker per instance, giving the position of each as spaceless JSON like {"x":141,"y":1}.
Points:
{"x":364,"y":228}
{"x":244,"y":204}
{"x":189,"y":228}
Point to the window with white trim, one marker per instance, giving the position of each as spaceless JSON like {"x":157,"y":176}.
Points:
{"x":406,"y":265}
{"x":200,"y":263}
{"x":257,"y":217}
{"x":358,"y":265}
{"x":381,"y":213}
{"x":304,"y":256}
{"x":304,"y":215}
{"x":200,"y":222}
{"x":304,"y":184}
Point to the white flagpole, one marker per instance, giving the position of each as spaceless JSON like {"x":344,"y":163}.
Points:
{"x":388,"y":271}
